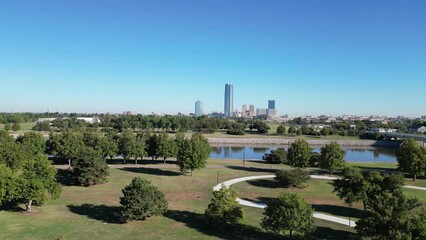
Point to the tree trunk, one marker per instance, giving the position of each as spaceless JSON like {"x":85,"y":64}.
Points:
{"x":365,"y":206}
{"x":291,"y":232}
{"x":136,"y":161}
{"x":28,"y":206}
{"x":124,"y":160}
{"x":164,"y":161}
{"x":191,"y":172}
{"x":69,"y":163}
{"x":331,"y":172}
{"x":414,"y":177}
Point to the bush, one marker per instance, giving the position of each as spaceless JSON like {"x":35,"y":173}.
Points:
{"x":42,"y":126}
{"x":291,"y":178}
{"x":141,"y":200}
{"x":16,"y":127}
{"x":90,"y":168}
{"x":224,"y":209}
{"x":281,"y":130}
{"x":276,"y":156}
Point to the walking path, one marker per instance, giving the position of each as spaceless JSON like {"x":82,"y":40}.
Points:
{"x":322,"y":216}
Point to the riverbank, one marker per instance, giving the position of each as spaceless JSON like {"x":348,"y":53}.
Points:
{"x":286,"y":141}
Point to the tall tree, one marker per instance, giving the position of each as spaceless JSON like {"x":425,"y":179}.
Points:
{"x":38,"y":177}
{"x":127,"y":145}
{"x":332,"y":157}
{"x":166,"y":146}
{"x":288,"y":212}
{"x":224,"y":208}
{"x":411,"y":158}
{"x":109,"y":145}
{"x":12,"y":154}
{"x":8,"y":186}
{"x":193,"y":153}
{"x":141,"y":200}
{"x":32,"y":142}
{"x":65,"y":146}
{"x":16,"y":127}
{"x":281,"y":130}
{"x":89,"y":167}
{"x":299,"y":154}
{"x":152,"y":146}
{"x":388,"y":217}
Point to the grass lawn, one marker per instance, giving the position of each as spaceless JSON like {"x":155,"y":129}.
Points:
{"x":92,"y":213}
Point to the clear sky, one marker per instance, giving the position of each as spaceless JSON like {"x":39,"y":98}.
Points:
{"x":313,"y":57}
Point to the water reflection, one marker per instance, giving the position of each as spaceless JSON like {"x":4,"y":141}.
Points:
{"x":352,"y":154}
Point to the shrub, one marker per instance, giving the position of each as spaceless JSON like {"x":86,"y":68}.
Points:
{"x":141,"y":200}
{"x":291,"y":178}
{"x":276,"y":156}
{"x":224,"y":209}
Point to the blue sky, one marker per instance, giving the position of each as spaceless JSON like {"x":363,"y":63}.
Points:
{"x":313,"y":57}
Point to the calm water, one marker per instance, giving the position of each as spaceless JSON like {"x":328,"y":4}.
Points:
{"x":352,"y":154}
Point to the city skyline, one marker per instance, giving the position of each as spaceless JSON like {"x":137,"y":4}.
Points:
{"x":313,"y":58}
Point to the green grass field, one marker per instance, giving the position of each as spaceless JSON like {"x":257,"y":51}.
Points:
{"x":92,"y":213}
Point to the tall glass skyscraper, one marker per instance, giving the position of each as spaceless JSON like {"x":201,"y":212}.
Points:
{"x":198,"y":108}
{"x":229,"y":100}
{"x":271,"y":104}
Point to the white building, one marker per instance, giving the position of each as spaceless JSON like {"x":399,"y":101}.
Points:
{"x":90,"y":119}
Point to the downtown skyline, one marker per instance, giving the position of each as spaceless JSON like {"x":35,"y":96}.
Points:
{"x":333,"y":57}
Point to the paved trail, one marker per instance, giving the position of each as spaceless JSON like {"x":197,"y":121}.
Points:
{"x":322,"y":216}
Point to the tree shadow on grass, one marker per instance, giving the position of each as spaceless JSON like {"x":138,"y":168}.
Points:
{"x":339,"y":210}
{"x":329,"y":233}
{"x":235,"y":231}
{"x":151,"y":171}
{"x":11,"y":207}
{"x":107,"y":214}
{"x":263,"y":183}
{"x":253,"y":169}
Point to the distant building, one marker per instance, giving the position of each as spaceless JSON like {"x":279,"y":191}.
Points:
{"x":417,"y":129}
{"x":45,"y":120}
{"x":229,"y":100}
{"x":251,"y":111}
{"x":244,"y":110}
{"x":271,"y":112}
{"x":261,"y":111}
{"x":127,"y":113}
{"x":271,"y":104}
{"x":423,"y":117}
{"x":90,"y":119}
{"x":198,"y":108}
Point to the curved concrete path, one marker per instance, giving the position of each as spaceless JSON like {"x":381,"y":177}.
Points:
{"x":322,"y":216}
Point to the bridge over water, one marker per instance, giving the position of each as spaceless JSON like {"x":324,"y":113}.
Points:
{"x":403,"y":136}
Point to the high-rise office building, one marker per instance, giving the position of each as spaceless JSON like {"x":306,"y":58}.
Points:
{"x":244,"y":110}
{"x":251,"y":111}
{"x":271,"y":104}
{"x":198,"y":108}
{"x":229,"y":100}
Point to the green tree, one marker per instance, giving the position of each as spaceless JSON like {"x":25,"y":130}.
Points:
{"x":357,"y":186}
{"x":418,"y":225}
{"x":16,"y":127}
{"x":12,"y":154}
{"x":193,"y":153}
{"x":42,"y":126}
{"x":38,"y":177}
{"x":141,"y":200}
{"x":223,"y":209}
{"x":299,"y":154}
{"x":7,"y":127}
{"x":291,"y":178}
{"x":388,"y":217}
{"x":152,"y":146}
{"x":65,"y":146}
{"x":411,"y":158}
{"x":32,"y":142}
{"x":288,"y":212}
{"x":281,"y":130}
{"x":332,"y":157}
{"x":8,"y":186}
{"x":166,"y":146}
{"x":109,"y":145}
{"x":128,"y":146}
{"x":276,"y":156}
{"x":291,"y":129}
{"x":89,"y":168}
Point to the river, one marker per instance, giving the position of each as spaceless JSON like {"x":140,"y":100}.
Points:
{"x":352,"y":154}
